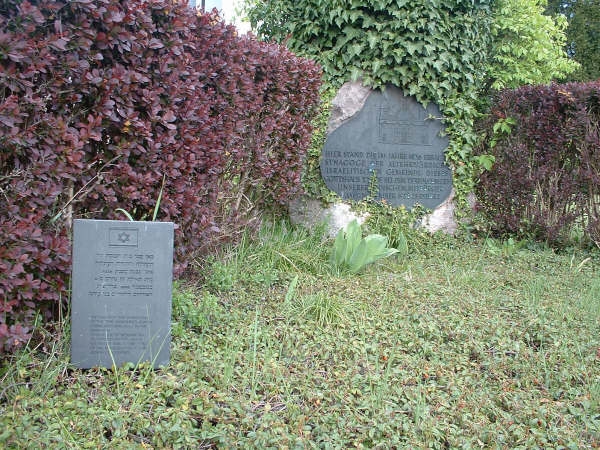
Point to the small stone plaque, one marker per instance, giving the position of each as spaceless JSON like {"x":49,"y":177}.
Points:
{"x":400,"y":141}
{"x":121,"y":292}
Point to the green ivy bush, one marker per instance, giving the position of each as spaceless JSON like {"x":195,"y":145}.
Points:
{"x":434,"y":50}
{"x":545,"y":181}
{"x":451,"y":52}
{"x":99,"y":100}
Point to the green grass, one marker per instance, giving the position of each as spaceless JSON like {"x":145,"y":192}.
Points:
{"x":455,"y":346}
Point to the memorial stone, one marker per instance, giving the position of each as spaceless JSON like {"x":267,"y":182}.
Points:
{"x":121,"y":292}
{"x":395,"y":139}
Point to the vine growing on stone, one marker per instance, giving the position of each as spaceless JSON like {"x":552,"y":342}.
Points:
{"x":450,"y":52}
{"x":433,"y":50}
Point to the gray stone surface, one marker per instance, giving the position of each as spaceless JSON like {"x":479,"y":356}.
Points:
{"x":121,"y":292}
{"x":392,"y":136}
{"x":310,"y":213}
{"x":442,"y":218}
{"x":349,"y":100}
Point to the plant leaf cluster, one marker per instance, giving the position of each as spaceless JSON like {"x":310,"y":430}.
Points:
{"x":352,"y":252}
{"x":418,"y":46}
{"x":544,"y":185}
{"x":528,"y":47}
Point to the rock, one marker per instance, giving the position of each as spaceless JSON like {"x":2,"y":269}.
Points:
{"x":311,"y":213}
{"x":349,"y":100}
{"x":442,"y":218}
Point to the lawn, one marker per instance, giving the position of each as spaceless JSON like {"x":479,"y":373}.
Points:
{"x":456,"y":345}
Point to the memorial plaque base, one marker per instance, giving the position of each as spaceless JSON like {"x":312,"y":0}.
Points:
{"x":121,"y":294}
{"x":392,"y":142}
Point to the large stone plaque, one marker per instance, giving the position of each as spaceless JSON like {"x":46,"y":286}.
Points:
{"x":121,"y":292}
{"x":398,"y":140}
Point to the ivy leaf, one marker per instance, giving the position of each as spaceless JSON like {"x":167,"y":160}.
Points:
{"x":486,"y":161}
{"x":375,"y":67}
{"x":413,"y":47}
{"x":439,"y":64}
{"x":373,"y":39}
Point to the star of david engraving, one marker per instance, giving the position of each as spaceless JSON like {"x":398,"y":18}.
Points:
{"x":123,"y":237}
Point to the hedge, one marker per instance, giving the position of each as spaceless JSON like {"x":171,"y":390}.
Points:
{"x":106,"y":104}
{"x":545,"y":183}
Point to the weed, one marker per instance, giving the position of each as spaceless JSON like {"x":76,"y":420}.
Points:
{"x":402,"y":244}
{"x":222,"y":277}
{"x":278,"y":248}
{"x":351,"y":252}
{"x":194,"y":310}
{"x":321,"y":308}
{"x":129,"y":216}
{"x":591,"y":300}
{"x":506,"y":248}
{"x":254,"y":350}
{"x":394,"y":222}
{"x":291,"y":291}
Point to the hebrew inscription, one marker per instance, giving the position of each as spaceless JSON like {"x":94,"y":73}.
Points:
{"x":394,"y":143}
{"x":118,"y":274}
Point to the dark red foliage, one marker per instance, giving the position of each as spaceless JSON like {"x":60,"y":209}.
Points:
{"x":100,"y":100}
{"x":546,"y":179}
